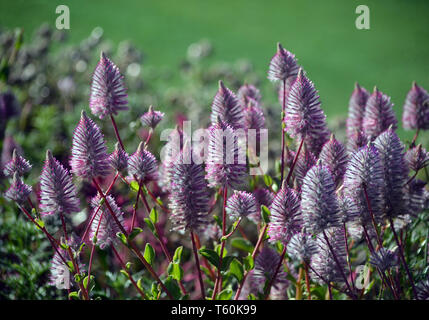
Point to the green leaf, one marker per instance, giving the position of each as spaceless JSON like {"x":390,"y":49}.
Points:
{"x":242,"y":244}
{"x":41,"y":223}
{"x":125,"y":273}
{"x":178,"y":255}
{"x":236,"y":269}
{"x":225,"y":294}
{"x":275,"y":187}
{"x":134,"y":185}
{"x":139,"y":284}
{"x":85,"y":281}
{"x":268,"y":180}
{"x":172,"y":287}
{"x":70,"y":265}
{"x":74,"y":295}
{"x":149,"y":253}
{"x":153,"y":215}
{"x":210,"y":255}
{"x":122,"y":237}
{"x":159,"y":201}
{"x":175,"y":270}
{"x":151,"y":226}
{"x":128,"y":264}
{"x":265,"y":213}
{"x":136,"y":231}
{"x":248,"y":262}
{"x":226,"y":262}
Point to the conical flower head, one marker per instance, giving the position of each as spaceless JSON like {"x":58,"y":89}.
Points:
{"x":108,"y":93}
{"x":104,"y":226}
{"x":304,"y":118}
{"x":227,"y":107}
{"x":349,"y":211}
{"x":283,"y":65}
{"x":241,"y":204}
{"x":143,"y":165}
{"x":119,"y":158}
{"x":319,"y":203}
{"x":423,"y":290}
{"x":357,"y":105}
{"x":306,"y":160}
{"x":17,"y":164}
{"x":285,"y":220}
{"x":417,"y":158}
{"x":57,"y":191}
{"x":189,"y":196}
{"x":379,"y":115}
{"x":226,"y":160}
{"x":151,"y":118}
{"x":89,"y":157}
{"x":356,"y":141}
{"x":416,"y":109}
{"x":248,"y":94}
{"x":391,"y":152}
{"x":263,"y":197}
{"x":415,"y":197}
{"x":365,"y":173}
{"x":254,"y":119}
{"x":324,"y":264}
{"x":384,"y":259}
{"x":302,"y":247}
{"x":334,"y":156}
{"x":18,"y":190}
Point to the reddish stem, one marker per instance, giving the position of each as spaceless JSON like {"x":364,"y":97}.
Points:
{"x":197,"y":263}
{"x":115,"y":127}
{"x":294,"y":161}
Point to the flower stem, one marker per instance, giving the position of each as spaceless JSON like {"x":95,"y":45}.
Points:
{"x":276,"y":271}
{"x":294,"y":161}
{"x":307,"y":280}
{"x":136,"y":205}
{"x":282,"y":168}
{"x":115,"y":127}
{"x":197,"y":263}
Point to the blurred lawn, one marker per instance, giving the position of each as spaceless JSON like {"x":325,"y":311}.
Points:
{"x":322,"y":34}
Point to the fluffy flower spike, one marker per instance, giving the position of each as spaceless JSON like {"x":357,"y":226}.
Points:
{"x":18,"y":190}
{"x":416,"y":109}
{"x":357,"y":105}
{"x":151,"y":118}
{"x":227,"y":107}
{"x":57,"y":191}
{"x":118,"y":158}
{"x":417,"y":158}
{"x":283,"y":65}
{"x":241,"y":204}
{"x":384,"y":259}
{"x":334,"y":156}
{"x":108,"y":93}
{"x":143,"y":165}
{"x":302,"y":247}
{"x":89,"y":157}
{"x":17,"y":164}
{"x":248,"y":95}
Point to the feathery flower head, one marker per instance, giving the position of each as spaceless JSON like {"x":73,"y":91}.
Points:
{"x":306,"y":160}
{"x":226,"y":164}
{"x":227,"y":107}
{"x":423,"y":290}
{"x":283,"y":65}
{"x":263,"y":197}
{"x":248,"y":94}
{"x":241,"y":204}
{"x":391,"y":152}
{"x":189,"y":196}
{"x":319,"y":203}
{"x":384,"y":259}
{"x":143,"y":165}
{"x":302,"y":247}
{"x":356,"y":141}
{"x":108,"y":93}
{"x":57,"y":191}
{"x":118,"y":158}
{"x":304,"y":118}
{"x":416,"y":109}
{"x":357,"y":105}
{"x":414,"y":197}
{"x":18,"y":190}
{"x":379,"y":115}
{"x":349,"y":210}
{"x":107,"y":227}
{"x":285,"y":220}
{"x":89,"y":157}
{"x":151,"y":118}
{"x":254,"y":119}
{"x":365,"y":171}
{"x":334,"y":156}
{"x":324,"y":261}
{"x":417,"y":158}
{"x":17,"y":164}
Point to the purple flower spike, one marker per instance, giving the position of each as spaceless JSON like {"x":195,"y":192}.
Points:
{"x":225,"y":162}
{"x":57,"y":191}
{"x":319,"y":203}
{"x":356,"y":141}
{"x":263,"y":197}
{"x":18,"y":190}
{"x":334,"y":156}
{"x":379,"y":115}
{"x":324,"y":261}
{"x":152,"y":118}
{"x":306,"y":160}
{"x":417,"y":158}
{"x":143,"y":165}
{"x":107,"y":228}
{"x":302,"y":247}
{"x":241,"y":204}
{"x":304,"y":118}
{"x":254,"y":119}
{"x":118,"y":158}
{"x":391,"y":152}
{"x":365,"y":170}
{"x":227,"y":107}
{"x":283,"y":65}
{"x":384,"y":259}
{"x":108,"y":93}
{"x":349,"y":210}
{"x":89,"y":157}
{"x":248,"y":95}
{"x":357,"y":105}
{"x":17,"y":164}
{"x":285,"y":216}
{"x":423,"y":290}
{"x":415,"y":196}
{"x":416,"y":109}
{"x":189,"y":196}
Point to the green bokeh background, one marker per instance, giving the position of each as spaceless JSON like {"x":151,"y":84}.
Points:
{"x":322,"y":34}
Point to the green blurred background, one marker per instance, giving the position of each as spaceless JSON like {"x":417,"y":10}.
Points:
{"x":322,"y":34}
